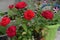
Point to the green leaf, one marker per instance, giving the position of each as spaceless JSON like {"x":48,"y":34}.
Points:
{"x":24,"y":38}
{"x":37,"y":28}
{"x":20,"y":37}
{"x":29,"y":32}
{"x":10,"y":13}
{"x":18,"y":21}
{"x":3,"y":29}
{"x":14,"y":38}
{"x":24,"y":27}
{"x":1,"y":13}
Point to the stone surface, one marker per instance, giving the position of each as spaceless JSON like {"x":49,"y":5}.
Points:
{"x":58,"y":36}
{"x":4,"y":4}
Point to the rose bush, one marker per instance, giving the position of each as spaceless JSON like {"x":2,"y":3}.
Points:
{"x":23,"y":23}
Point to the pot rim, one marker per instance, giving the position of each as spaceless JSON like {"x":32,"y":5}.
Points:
{"x":3,"y":35}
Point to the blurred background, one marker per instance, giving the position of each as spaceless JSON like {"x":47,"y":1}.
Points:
{"x":4,"y":3}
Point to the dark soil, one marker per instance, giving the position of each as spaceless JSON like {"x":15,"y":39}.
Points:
{"x":4,"y":38}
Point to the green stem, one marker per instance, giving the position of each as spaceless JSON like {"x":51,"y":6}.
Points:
{"x":11,"y":39}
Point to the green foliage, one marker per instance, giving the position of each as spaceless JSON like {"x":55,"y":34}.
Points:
{"x":24,"y":27}
{"x":14,"y":38}
{"x":31,"y":4}
{"x":2,"y":30}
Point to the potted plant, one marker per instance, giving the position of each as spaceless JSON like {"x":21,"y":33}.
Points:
{"x":23,"y":23}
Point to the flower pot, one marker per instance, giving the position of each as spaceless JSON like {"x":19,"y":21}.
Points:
{"x":51,"y":33}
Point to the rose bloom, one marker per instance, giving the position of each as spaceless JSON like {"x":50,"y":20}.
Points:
{"x":5,"y":21}
{"x":47,"y":14}
{"x":20,"y":5}
{"x":29,"y":14}
{"x":11,"y":31}
{"x":11,"y":6}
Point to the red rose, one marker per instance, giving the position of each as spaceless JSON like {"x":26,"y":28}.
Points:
{"x":29,"y":14}
{"x":20,"y":5}
{"x":11,"y":6}
{"x":5,"y":21}
{"x":47,"y":14}
{"x":11,"y":31}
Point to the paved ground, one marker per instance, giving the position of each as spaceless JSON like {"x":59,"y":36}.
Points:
{"x":58,"y":36}
{"x":5,"y":3}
